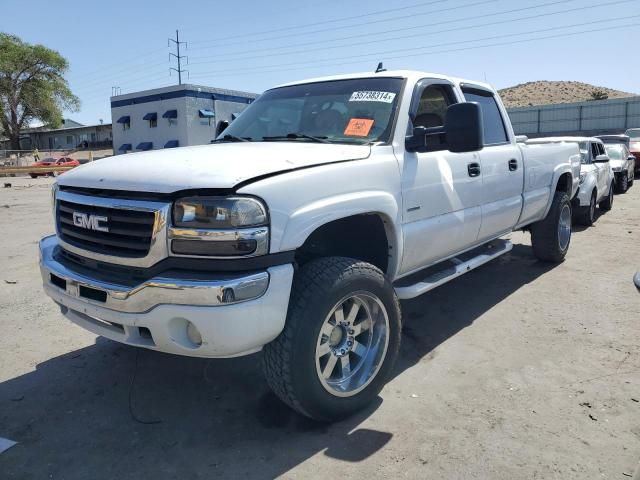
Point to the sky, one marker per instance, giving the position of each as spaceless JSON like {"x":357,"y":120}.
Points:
{"x":253,"y":45}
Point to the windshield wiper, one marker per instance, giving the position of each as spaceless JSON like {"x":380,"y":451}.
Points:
{"x":294,"y":136}
{"x":231,"y":138}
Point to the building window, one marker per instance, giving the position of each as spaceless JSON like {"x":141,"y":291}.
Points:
{"x":125,"y":120}
{"x":69,"y":140}
{"x":171,"y":116}
{"x":152,"y":117}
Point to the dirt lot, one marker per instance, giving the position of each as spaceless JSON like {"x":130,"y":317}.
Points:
{"x":517,"y":370}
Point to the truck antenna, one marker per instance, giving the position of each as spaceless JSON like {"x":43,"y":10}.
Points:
{"x":380,"y":68}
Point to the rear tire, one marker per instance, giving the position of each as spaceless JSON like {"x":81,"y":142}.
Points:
{"x":306,"y":365}
{"x":607,"y":203}
{"x":550,"y":237}
{"x":586,"y":215}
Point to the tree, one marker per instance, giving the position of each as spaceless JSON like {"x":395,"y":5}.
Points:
{"x":599,"y":94}
{"x":32,"y":86}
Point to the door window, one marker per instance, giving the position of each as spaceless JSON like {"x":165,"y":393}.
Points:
{"x":431,"y":111}
{"x":492,"y":123}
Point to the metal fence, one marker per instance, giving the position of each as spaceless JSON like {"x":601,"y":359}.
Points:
{"x":583,"y":118}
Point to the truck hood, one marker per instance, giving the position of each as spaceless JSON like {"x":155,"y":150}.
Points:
{"x":223,"y":165}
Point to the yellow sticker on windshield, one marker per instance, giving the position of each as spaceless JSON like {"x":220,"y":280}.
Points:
{"x":359,"y":127}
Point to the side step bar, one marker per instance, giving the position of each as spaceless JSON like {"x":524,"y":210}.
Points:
{"x":439,"y":274}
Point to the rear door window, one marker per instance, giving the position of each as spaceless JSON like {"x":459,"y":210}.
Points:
{"x":493,"y":124}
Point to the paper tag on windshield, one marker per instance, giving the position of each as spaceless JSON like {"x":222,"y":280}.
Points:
{"x":372,"y":96}
{"x":358,"y":127}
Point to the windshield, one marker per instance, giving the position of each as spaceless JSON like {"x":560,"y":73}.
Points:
{"x":355,"y":111}
{"x":633,"y":133}
{"x":615,"y":153}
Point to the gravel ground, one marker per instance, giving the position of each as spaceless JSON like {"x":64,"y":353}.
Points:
{"x":518,"y":370}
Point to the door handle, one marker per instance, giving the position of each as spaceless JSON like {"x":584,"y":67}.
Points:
{"x":513,"y":165}
{"x":473,"y":169}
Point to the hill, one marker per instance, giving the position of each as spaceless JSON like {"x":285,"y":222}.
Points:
{"x":543,"y":92}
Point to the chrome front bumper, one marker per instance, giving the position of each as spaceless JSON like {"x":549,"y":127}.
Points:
{"x":234,"y":316}
{"x":149,"y":293}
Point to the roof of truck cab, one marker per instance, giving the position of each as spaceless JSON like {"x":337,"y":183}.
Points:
{"x":564,"y":139}
{"x":408,"y":74}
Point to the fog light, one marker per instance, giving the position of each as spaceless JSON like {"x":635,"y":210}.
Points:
{"x":193,"y":334}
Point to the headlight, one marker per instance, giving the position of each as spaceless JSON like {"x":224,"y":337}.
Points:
{"x":219,"y":227}
{"x":582,"y":177}
{"x":219,"y":212}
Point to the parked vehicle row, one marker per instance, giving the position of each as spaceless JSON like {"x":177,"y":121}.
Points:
{"x":607,"y":165}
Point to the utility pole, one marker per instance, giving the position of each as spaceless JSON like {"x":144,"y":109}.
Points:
{"x":179,"y":57}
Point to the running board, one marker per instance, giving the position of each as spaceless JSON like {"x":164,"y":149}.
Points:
{"x":441,"y":273}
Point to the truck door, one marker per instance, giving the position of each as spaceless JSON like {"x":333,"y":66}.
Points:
{"x":502,"y":168}
{"x":442,"y":191}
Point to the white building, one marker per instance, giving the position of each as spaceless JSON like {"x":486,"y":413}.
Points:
{"x":174,"y":116}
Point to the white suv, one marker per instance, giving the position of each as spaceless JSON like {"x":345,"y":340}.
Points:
{"x":596,"y":177}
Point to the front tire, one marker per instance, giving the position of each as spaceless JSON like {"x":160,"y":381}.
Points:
{"x":623,"y":183}
{"x":586,"y":215}
{"x":550,"y":237}
{"x":607,"y":204}
{"x":340,"y":340}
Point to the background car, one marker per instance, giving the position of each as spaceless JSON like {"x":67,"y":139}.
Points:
{"x":622,"y":164}
{"x":56,"y":162}
{"x":634,"y":145}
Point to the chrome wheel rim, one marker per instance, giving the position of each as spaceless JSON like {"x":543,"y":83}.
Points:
{"x":564,"y":227}
{"x":352,"y":344}
{"x":592,"y":208}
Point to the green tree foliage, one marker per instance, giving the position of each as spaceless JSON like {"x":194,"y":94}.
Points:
{"x":32,"y":86}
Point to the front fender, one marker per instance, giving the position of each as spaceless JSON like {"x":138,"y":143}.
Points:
{"x":557,"y":173}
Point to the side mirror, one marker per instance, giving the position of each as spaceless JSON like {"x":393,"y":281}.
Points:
{"x":601,"y":159}
{"x":461,"y":132}
{"x":463,"y":126}
{"x":631,"y":157}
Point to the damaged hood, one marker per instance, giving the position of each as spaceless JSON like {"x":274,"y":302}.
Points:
{"x":221,"y":165}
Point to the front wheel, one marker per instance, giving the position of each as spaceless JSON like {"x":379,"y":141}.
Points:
{"x":607,"y":203}
{"x":550,"y":237}
{"x":340,"y":340}
{"x":623,"y":183}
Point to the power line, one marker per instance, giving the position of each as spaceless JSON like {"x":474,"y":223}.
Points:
{"x":422,"y":51}
{"x":324,"y":22}
{"x":120,"y":63}
{"x":310,"y":32}
{"x":220,"y":58}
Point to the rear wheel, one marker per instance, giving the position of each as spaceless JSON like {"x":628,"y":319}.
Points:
{"x":550,"y":238}
{"x":340,"y":340}
{"x":607,"y":203}
{"x":586,"y":215}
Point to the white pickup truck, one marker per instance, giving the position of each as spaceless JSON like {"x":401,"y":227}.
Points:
{"x":299,"y":230}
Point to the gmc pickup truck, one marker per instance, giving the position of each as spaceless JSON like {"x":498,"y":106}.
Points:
{"x":301,"y":227}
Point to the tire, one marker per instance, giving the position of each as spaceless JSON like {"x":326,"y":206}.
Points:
{"x":586,"y":215}
{"x":631,"y":180}
{"x":551,"y":237}
{"x":607,"y":203}
{"x":294,"y":363}
{"x":623,"y":183}
{"x":33,"y":175}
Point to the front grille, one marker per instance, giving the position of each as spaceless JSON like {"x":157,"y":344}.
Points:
{"x":129,"y":234}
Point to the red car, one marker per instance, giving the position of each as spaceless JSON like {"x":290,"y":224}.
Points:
{"x":634,"y":145}
{"x":57,"y":162}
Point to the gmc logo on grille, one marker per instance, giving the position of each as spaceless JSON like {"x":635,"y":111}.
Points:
{"x":90,"y":222}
